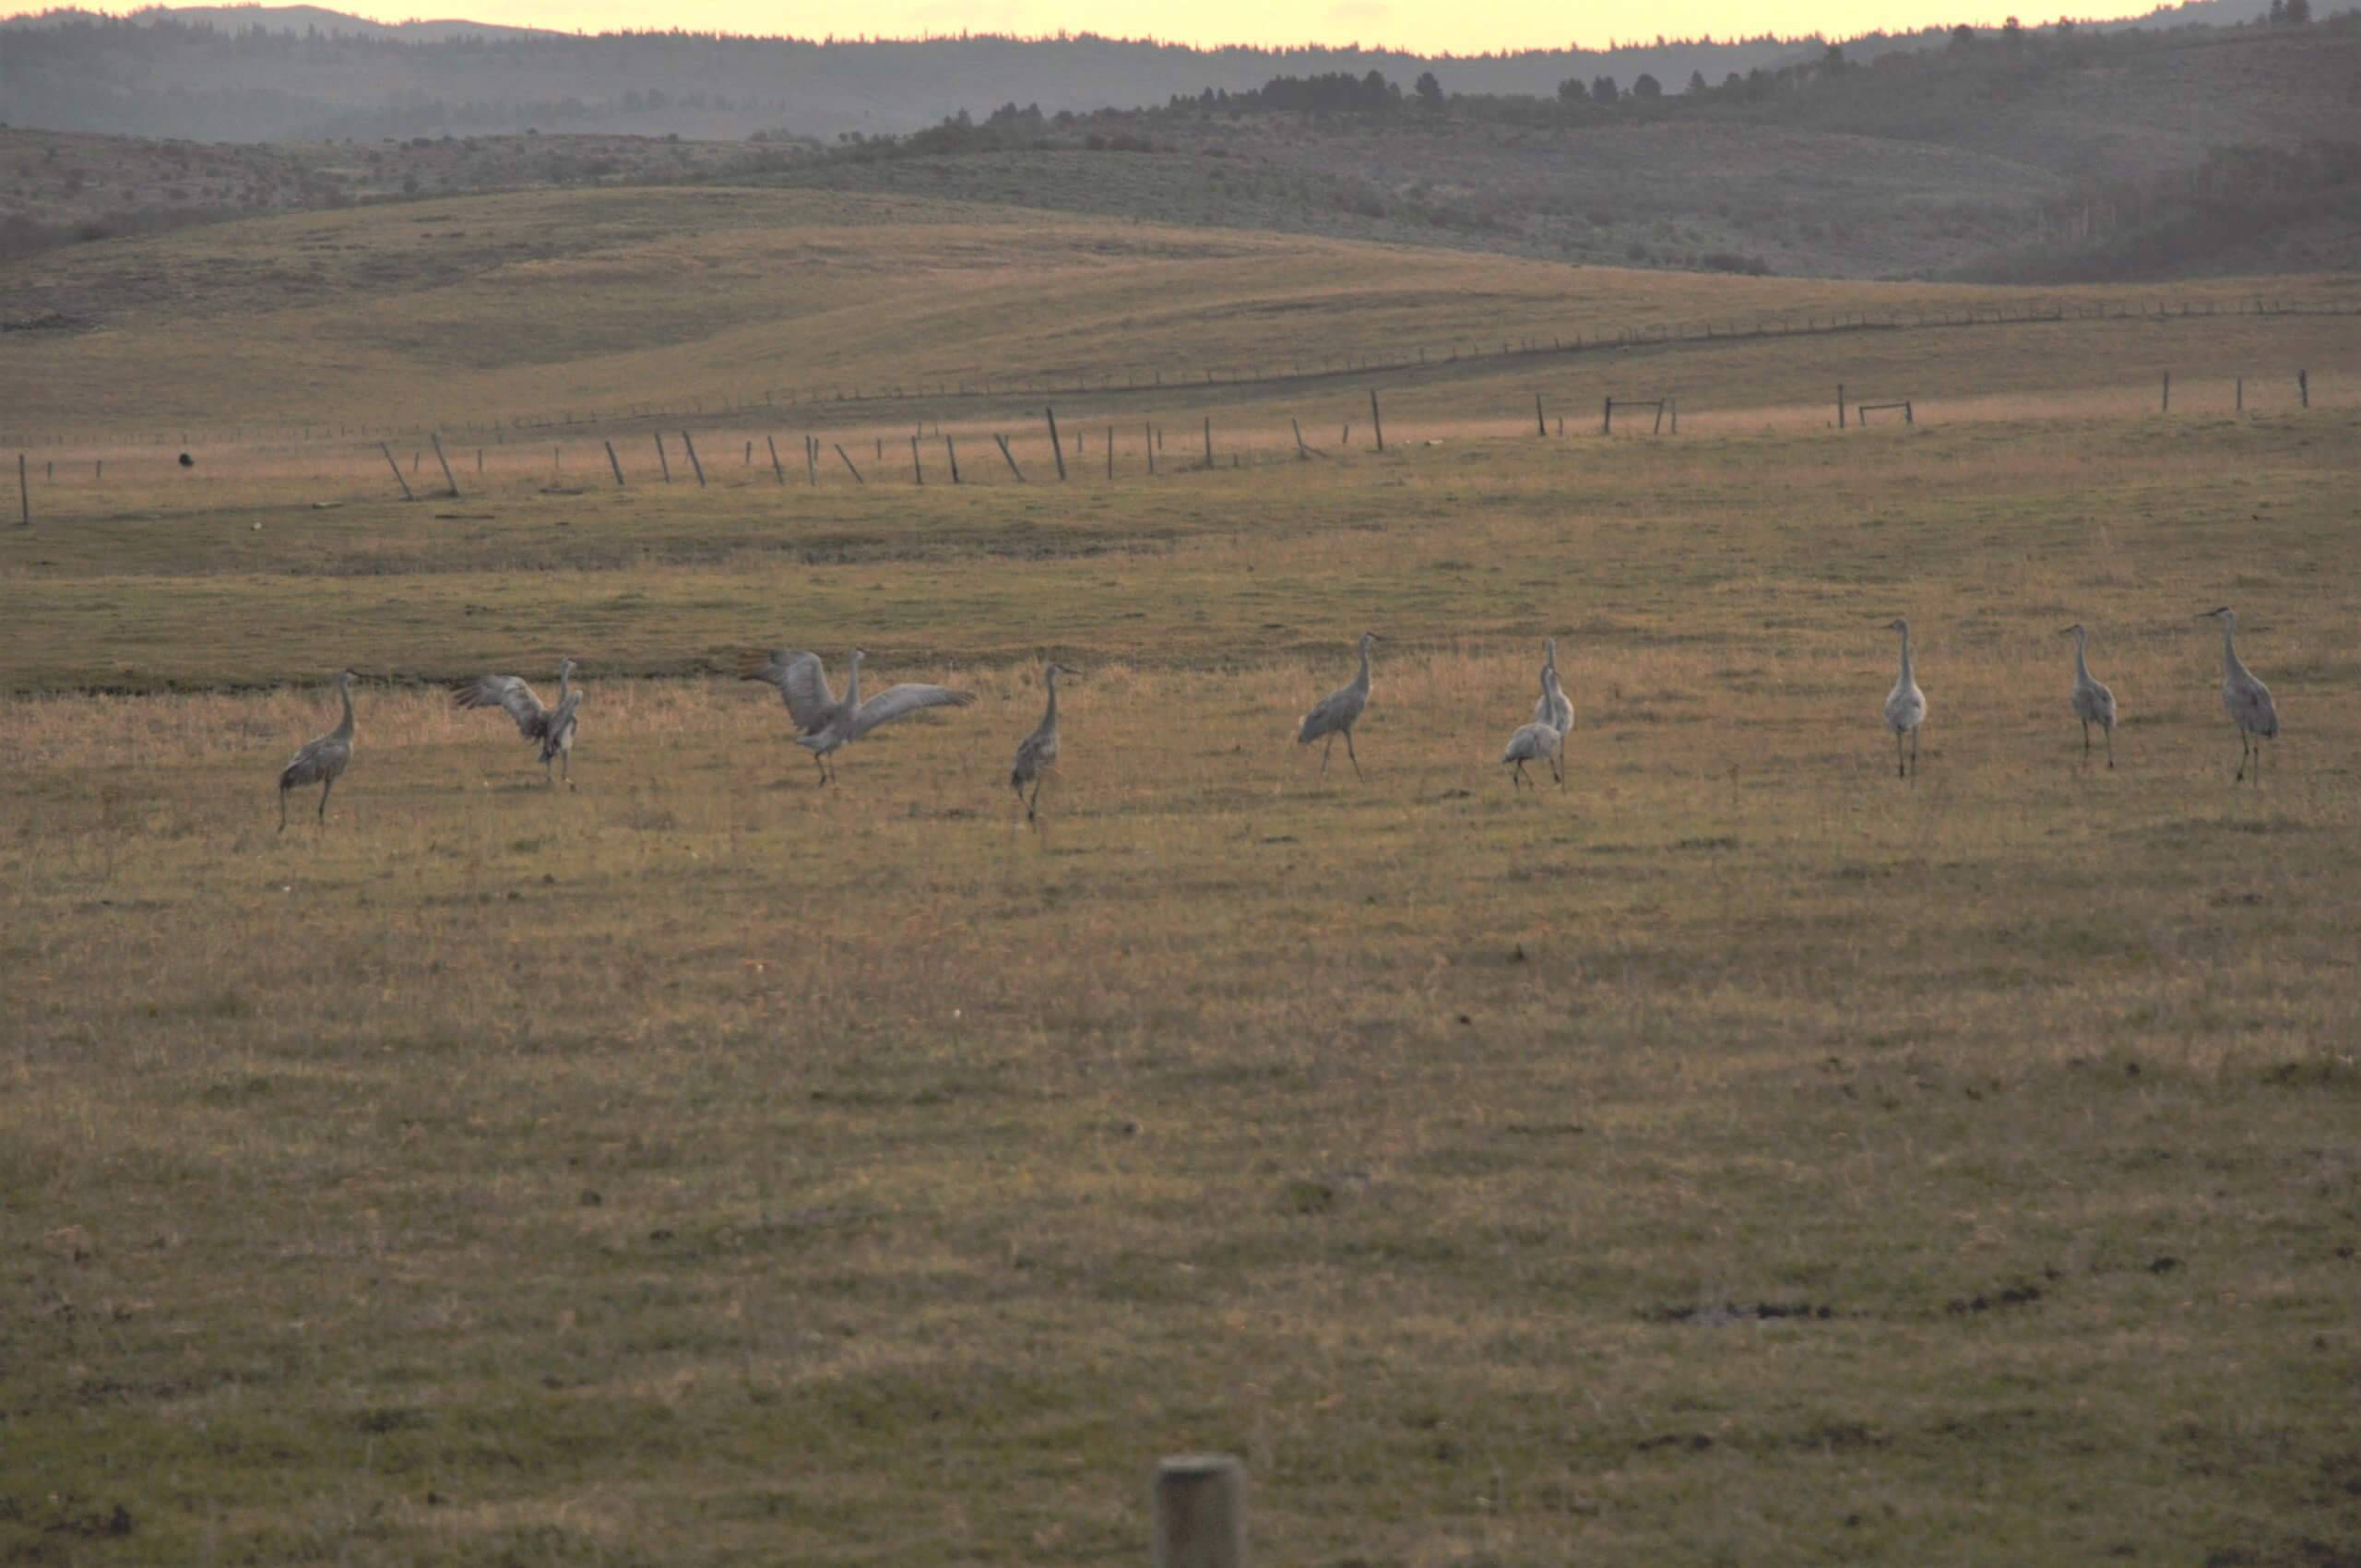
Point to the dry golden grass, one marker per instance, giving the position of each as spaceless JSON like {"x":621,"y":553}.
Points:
{"x":473,"y":313}
{"x":1738,"y":1156}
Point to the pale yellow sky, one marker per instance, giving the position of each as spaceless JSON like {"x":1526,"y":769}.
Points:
{"x":1424,"y":28}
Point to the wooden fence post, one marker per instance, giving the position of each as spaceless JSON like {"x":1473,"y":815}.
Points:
{"x":917,"y":467}
{"x":1540,"y":425}
{"x":25,"y":492}
{"x":1675,"y":403}
{"x":2168,"y":392}
{"x":382,"y":446}
{"x":661,"y":459}
{"x":436,"y":437}
{"x":2241,"y":405}
{"x":951,"y":455}
{"x":1376,"y":419}
{"x":1302,"y":452}
{"x":1209,"y":441}
{"x":849,"y":467}
{"x":1009,"y":458}
{"x":692,"y":458}
{"x":1607,"y":420}
{"x":1200,"y":1512}
{"x":776,"y":467}
{"x":1111,"y":451}
{"x":1056,"y":445}
{"x":2304,"y":387}
{"x":1147,"y":443}
{"x":1840,"y":405}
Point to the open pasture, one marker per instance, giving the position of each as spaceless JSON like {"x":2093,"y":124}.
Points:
{"x":1739,"y":1156}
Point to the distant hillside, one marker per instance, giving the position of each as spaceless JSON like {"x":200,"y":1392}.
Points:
{"x":296,"y":74}
{"x":2130,"y":155}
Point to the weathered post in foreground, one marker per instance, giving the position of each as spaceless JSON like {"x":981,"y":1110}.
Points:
{"x":1200,"y":1511}
{"x":1009,"y":458}
{"x":1111,"y":451}
{"x":1209,"y":441}
{"x":1057,"y":447}
{"x":2304,"y":387}
{"x":663,"y":460}
{"x":776,"y":467}
{"x":1376,"y":419}
{"x":436,"y":437}
{"x":615,"y":462}
{"x":849,"y":467}
{"x":1840,"y":405}
{"x":1607,"y":420}
{"x":2168,"y":392}
{"x":1147,"y":445}
{"x":917,"y":467}
{"x":382,"y":446}
{"x":2241,"y":405}
{"x":25,"y":492}
{"x":951,"y":454}
{"x":692,"y":458}
{"x":1540,"y":425}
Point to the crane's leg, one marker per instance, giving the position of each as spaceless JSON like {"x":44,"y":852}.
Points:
{"x":2086,"y":740}
{"x":2245,"y":745}
{"x":1351,"y":754}
{"x":1031,"y":806}
{"x":1324,"y":752}
{"x":565,"y":761}
{"x":1900,"y":770}
{"x":1914,"y":751}
{"x":324,"y":800}
{"x":1516,"y":774}
{"x":1558,"y":767}
{"x":2110,"y":748}
{"x":2258,"y":762}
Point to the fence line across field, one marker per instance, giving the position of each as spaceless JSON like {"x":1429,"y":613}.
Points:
{"x":1276,"y":436}
{"x":1079,"y":383}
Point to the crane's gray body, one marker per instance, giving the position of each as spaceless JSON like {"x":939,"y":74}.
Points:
{"x":2093,"y":703}
{"x":1037,"y":753}
{"x":1905,"y":707}
{"x":552,"y":728}
{"x":1336,"y":713}
{"x":2245,"y":699}
{"x":323,"y":761}
{"x":825,"y":725}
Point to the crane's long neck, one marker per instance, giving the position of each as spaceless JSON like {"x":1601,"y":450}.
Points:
{"x":2082,"y":654}
{"x":852,"y":688}
{"x":1361,"y":680}
{"x":1905,"y":657}
{"x":564,"y":683}
{"x":1049,"y":719}
{"x":2229,"y":649}
{"x":344,"y":725}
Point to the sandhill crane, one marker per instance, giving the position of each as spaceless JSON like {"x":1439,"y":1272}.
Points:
{"x":1535,"y":742}
{"x":823,"y":724}
{"x":2247,"y":700}
{"x":2093,"y":703}
{"x":552,"y":727}
{"x":1905,"y":707}
{"x":1335,"y":713}
{"x":1553,"y":709}
{"x":323,"y":761}
{"x":1038,"y":751}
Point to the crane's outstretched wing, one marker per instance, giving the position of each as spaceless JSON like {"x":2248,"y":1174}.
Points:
{"x":511,"y":692}
{"x":896,"y":701}
{"x":802,"y":684}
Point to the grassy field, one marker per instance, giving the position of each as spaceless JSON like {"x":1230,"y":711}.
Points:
{"x":1738,"y":1156}
{"x":476,"y":312}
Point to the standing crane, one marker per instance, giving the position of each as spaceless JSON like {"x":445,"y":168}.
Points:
{"x":2246,"y":699}
{"x":2093,"y":703}
{"x":822,"y":724}
{"x":1905,"y":707}
{"x":1335,"y":713}
{"x":1038,"y":751}
{"x":1536,"y":742}
{"x":323,"y":761}
{"x":552,"y":727}
{"x":1553,"y":709}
